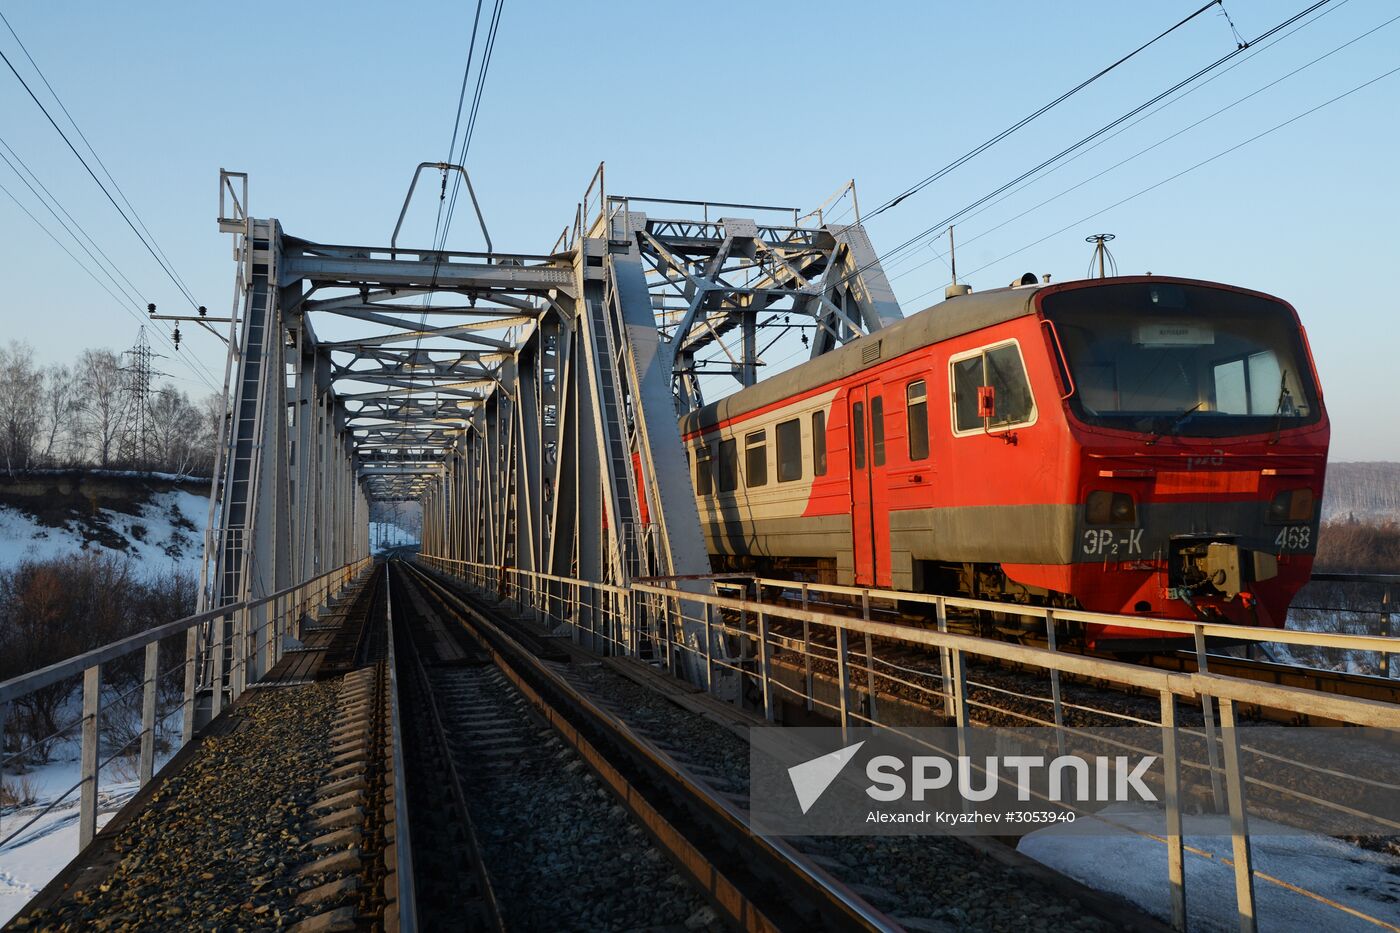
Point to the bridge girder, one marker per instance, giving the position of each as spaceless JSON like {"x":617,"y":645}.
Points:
{"x":535,"y":417}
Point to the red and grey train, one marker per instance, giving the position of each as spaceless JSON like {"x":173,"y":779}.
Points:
{"x":1142,"y":445}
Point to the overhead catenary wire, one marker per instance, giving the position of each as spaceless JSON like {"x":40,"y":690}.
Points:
{"x":129,"y":291}
{"x":1191,"y":168}
{"x":92,"y":149}
{"x":457,"y":120}
{"x":442,"y":226}
{"x":1141,"y":152}
{"x":1032,"y":117}
{"x":1122,"y":118}
{"x":951,"y":218}
{"x":885,"y":258}
{"x":467,"y":136}
{"x":169,"y":272}
{"x":105,"y":287}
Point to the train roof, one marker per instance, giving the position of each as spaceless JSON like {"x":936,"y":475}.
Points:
{"x":947,"y":319}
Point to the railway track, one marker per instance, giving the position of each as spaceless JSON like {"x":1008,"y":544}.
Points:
{"x":521,"y":735}
{"x":356,"y":873}
{"x":915,"y":883}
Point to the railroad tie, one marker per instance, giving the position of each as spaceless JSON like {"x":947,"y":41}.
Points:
{"x":340,"y":810}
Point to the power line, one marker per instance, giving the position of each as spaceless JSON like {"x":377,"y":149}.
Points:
{"x":1206,"y":161}
{"x":132,"y":293}
{"x":1155,"y":145}
{"x":943,"y":224}
{"x":74,"y":149}
{"x":90,"y":147}
{"x":1024,"y":121}
{"x":103,"y":285}
{"x":441,"y":229}
{"x":471,"y":120}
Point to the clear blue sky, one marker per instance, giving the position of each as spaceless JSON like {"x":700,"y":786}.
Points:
{"x":329,"y":106}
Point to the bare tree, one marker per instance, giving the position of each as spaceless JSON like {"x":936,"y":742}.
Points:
{"x":101,"y":405}
{"x":212,"y":432}
{"x":174,"y":430}
{"x":21,"y":393}
{"x":60,"y":392}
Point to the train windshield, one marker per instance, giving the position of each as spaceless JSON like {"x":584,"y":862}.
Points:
{"x":1189,"y":360}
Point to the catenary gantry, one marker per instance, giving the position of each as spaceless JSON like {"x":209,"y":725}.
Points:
{"x":529,"y":401}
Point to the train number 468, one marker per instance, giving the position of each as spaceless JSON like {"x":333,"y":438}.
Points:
{"x":1294,"y":538}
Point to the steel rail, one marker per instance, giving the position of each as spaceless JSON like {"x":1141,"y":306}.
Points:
{"x":418,"y":674}
{"x":406,"y":905}
{"x":776,"y":882}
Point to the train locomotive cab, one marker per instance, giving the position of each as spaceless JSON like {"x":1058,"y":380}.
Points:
{"x":1201,"y":443}
{"x":1136,"y":445}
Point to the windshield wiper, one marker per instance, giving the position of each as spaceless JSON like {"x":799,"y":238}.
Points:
{"x":1285,"y":403}
{"x":1174,"y":423}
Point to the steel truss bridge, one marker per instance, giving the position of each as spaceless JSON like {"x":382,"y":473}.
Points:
{"x":529,"y":401}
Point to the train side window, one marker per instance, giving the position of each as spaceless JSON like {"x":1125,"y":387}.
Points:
{"x":1006,"y":374}
{"x":789,"y":451}
{"x":756,"y":459}
{"x":858,"y":433}
{"x":728,"y":465}
{"x":967,"y":376}
{"x":916,"y":415}
{"x":877,"y":430}
{"x":704,"y":472}
{"x":818,"y":443}
{"x":1002,"y":369}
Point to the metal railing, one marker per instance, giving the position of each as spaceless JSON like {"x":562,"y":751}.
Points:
{"x":735,"y":640}
{"x":255,"y":647}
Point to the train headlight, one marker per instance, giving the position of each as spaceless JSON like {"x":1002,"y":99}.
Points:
{"x":1291,"y":505}
{"x":1110,"y":508}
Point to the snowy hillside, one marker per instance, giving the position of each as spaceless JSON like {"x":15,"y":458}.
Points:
{"x":149,"y":519}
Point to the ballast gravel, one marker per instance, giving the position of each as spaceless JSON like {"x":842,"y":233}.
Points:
{"x":219,"y":844}
{"x":562,"y":855}
{"x":927,"y":882}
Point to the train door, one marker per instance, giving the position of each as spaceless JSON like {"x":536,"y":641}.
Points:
{"x":870,"y":540}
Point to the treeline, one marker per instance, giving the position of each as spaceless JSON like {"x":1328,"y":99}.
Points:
{"x":1359,"y":547}
{"x":85,"y":415}
{"x":55,"y":609}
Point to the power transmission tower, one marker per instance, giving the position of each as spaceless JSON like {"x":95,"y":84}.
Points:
{"x":135,"y":447}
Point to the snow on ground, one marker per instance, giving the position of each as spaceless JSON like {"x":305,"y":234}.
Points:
{"x":50,"y":844}
{"x":167,"y":535}
{"x":1117,"y":860}
{"x":387,"y":534}
{"x":41,"y":850}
